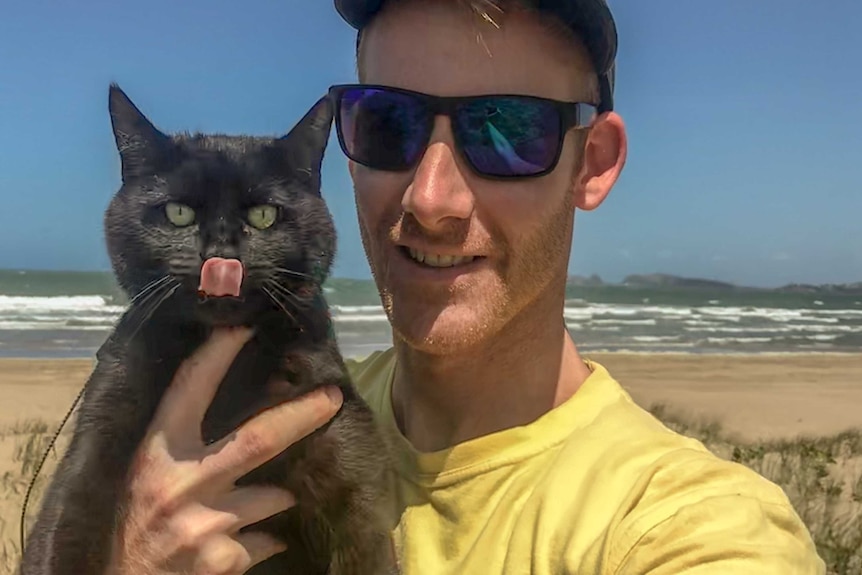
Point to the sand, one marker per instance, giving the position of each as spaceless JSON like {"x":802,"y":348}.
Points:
{"x":754,"y":396}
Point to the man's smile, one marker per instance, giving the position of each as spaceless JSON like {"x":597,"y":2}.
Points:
{"x":438,"y":260}
{"x":435,"y":264}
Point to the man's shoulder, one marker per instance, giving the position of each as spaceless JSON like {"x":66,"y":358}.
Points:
{"x":690,"y":508}
{"x":669,"y":488}
{"x":661,"y":464}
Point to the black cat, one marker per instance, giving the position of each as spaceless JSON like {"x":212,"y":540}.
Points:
{"x":221,"y":230}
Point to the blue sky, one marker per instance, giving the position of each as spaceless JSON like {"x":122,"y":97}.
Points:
{"x":744,"y":119}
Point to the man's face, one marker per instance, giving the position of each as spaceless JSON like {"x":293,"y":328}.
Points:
{"x":517,"y":233}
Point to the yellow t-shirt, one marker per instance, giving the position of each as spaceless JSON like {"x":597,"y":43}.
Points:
{"x":596,"y":486}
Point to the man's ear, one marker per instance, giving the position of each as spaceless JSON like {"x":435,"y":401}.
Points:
{"x":604,"y":157}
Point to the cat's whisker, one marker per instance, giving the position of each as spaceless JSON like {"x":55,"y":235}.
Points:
{"x":149,"y":287}
{"x":285,"y":291}
{"x":141,"y":312}
{"x":274,"y":290}
{"x":299,"y":303}
{"x":136,"y":306}
{"x":279,"y":303}
{"x":292,"y":273}
{"x":152,"y":309}
{"x":142,"y":307}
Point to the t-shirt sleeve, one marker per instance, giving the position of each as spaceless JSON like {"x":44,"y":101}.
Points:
{"x":726,"y":534}
{"x":352,"y":365}
{"x":368,"y":375}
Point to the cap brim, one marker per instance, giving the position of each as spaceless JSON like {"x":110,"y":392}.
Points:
{"x":358,"y":13}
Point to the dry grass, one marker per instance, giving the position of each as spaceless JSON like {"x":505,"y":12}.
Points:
{"x":29,"y":441}
{"x":822,"y":477}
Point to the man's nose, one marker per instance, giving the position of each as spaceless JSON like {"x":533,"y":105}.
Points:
{"x":439,"y":190}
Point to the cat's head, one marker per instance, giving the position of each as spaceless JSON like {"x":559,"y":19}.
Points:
{"x":247,"y":211}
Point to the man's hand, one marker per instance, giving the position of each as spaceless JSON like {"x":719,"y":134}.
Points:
{"x":183,"y":512}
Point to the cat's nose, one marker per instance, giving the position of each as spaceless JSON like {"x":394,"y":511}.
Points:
{"x":219,"y":250}
{"x":220,"y":237}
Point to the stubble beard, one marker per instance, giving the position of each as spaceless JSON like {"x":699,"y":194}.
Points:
{"x":528,"y":273}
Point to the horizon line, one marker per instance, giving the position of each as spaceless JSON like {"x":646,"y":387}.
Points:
{"x":568,"y":277}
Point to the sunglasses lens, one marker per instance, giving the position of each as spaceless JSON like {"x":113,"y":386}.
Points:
{"x":382,"y":129}
{"x":509,"y":136}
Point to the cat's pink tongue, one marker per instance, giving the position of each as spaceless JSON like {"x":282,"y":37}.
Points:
{"x":220,"y":277}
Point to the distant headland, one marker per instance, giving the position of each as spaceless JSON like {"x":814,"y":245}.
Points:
{"x":659,"y":280}
{"x":45,"y":283}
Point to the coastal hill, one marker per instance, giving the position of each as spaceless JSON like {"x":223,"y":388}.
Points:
{"x":659,"y":280}
{"x":35,"y":283}
{"x":667,"y":280}
{"x":851,"y":288}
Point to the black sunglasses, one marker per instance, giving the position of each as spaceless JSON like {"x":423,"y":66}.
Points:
{"x":500,"y":136}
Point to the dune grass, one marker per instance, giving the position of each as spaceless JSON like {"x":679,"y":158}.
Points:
{"x":29,"y":440}
{"x":822,"y":476}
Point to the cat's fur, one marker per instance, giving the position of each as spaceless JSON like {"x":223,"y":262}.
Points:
{"x":338,"y":474}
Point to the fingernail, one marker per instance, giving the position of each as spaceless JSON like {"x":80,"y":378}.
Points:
{"x":334,"y":395}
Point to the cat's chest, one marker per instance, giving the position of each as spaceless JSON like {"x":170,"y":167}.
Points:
{"x":243,"y":392}
{"x":136,"y":380}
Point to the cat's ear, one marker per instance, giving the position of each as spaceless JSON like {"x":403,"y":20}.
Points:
{"x":302,"y":149}
{"x":143,"y":148}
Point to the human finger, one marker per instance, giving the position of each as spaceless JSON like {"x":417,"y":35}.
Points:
{"x":235,"y":555}
{"x":196,"y":381}
{"x":269,"y":433}
{"x":255,"y":503}
{"x":259,"y":546}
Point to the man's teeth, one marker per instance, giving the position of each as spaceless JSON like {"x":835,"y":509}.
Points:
{"x":439,"y":261}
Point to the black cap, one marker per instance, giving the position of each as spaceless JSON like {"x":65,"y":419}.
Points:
{"x":591,"y":20}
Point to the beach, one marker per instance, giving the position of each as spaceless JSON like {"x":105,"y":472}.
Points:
{"x":754,"y":397}
{"x":759,"y":396}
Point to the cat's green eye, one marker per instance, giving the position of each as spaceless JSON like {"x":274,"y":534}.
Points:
{"x":262,"y":217}
{"x":179,"y":214}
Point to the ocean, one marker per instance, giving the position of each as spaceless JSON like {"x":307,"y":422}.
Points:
{"x":69,"y":314}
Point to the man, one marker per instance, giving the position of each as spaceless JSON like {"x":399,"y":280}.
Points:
{"x":514,"y":453}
